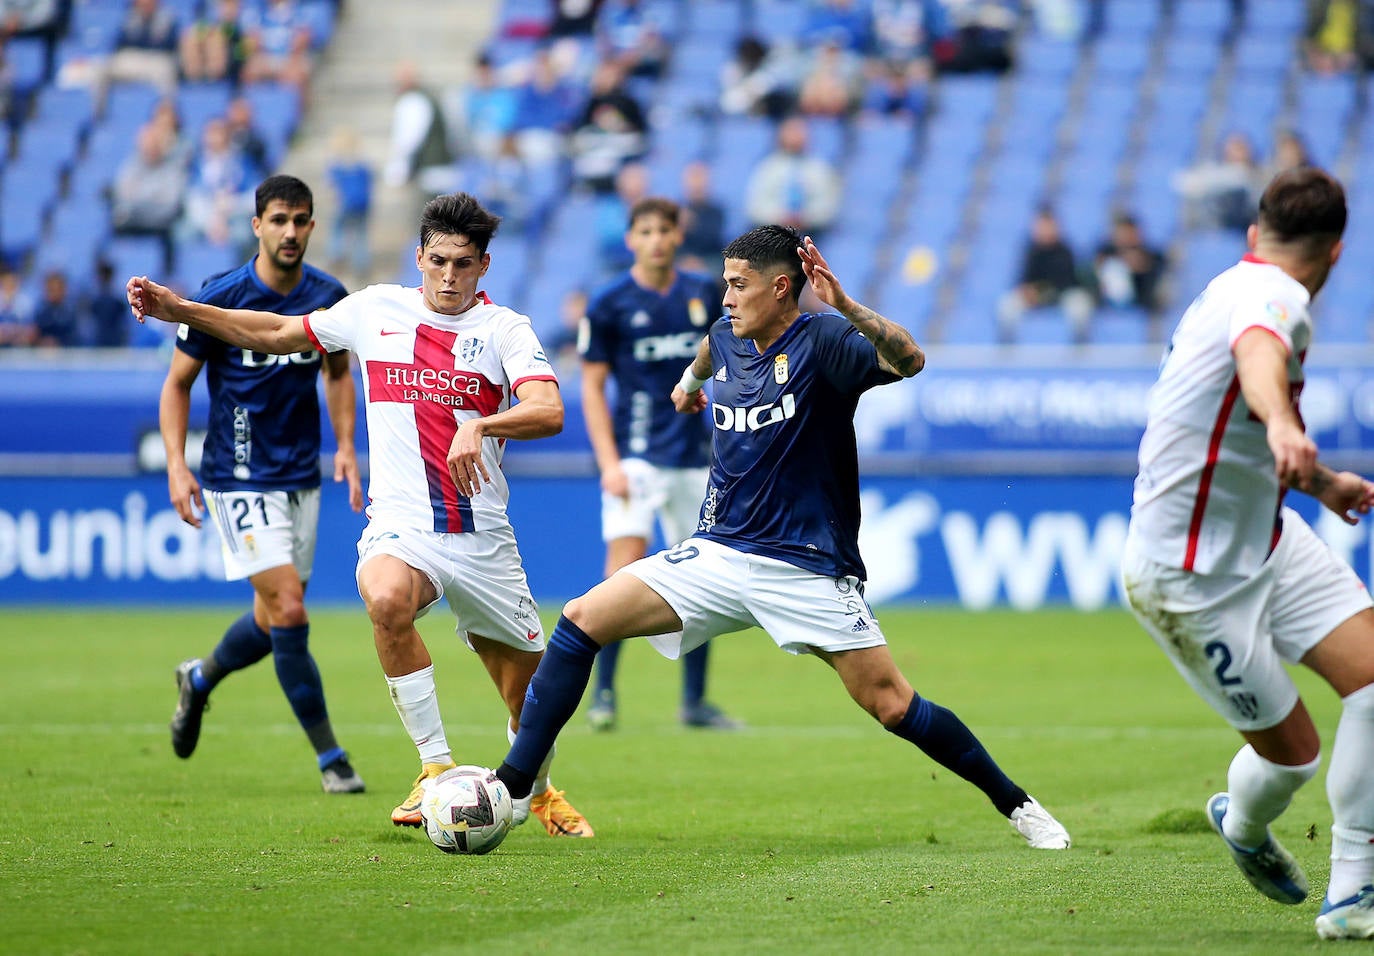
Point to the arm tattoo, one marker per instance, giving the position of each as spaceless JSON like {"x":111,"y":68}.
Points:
{"x":895,"y":345}
{"x":1320,"y":481}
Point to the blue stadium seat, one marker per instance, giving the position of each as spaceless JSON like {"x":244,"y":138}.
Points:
{"x":1130,"y":19}
{"x":1196,"y":57}
{"x":130,"y":103}
{"x":1047,"y":58}
{"x":1279,"y":18}
{"x":972,"y":98}
{"x":95,"y":26}
{"x":276,"y":111}
{"x":135,"y":255}
{"x":1044,"y":326}
{"x":1126,"y":326}
{"x":198,"y":260}
{"x":828,"y":138}
{"x":1120,"y":58}
{"x":199,"y":102}
{"x":26,"y":58}
{"x":74,"y":106}
{"x":1326,"y":95}
{"x":1201,"y":18}
{"x":1264,"y":53}
{"x":54,"y":142}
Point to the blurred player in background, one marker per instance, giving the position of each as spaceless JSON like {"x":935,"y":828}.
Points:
{"x":638,"y":331}
{"x":1230,"y":582}
{"x":261,"y":470}
{"x":441,"y":365}
{"x":777,"y":543}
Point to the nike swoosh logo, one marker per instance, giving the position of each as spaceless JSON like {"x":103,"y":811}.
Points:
{"x":531,"y":635}
{"x":393,"y":332}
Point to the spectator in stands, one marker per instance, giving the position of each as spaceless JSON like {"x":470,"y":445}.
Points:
{"x":613,"y":213}
{"x":562,"y":343}
{"x":757,"y":81}
{"x":219,"y":195}
{"x":611,"y":131}
{"x":1127,"y":272}
{"x":1223,"y":194}
{"x":832,"y":84}
{"x":574,"y":18}
{"x":1331,"y":36}
{"x":146,"y":48}
{"x":905,"y":30}
{"x":148,"y":192}
{"x":488,"y":110}
{"x":45,"y":19}
{"x":1290,"y":152}
{"x":895,"y":88}
{"x":106,"y":311}
{"x":276,"y":40}
{"x":419,"y":153}
{"x":56,"y":321}
{"x":791,"y":188}
{"x":1049,"y":276}
{"x":634,"y":36}
{"x":703,"y":222}
{"x":546,"y":109}
{"x":503,"y":182}
{"x":980,"y":39}
{"x":352,"y":179}
{"x":211,"y":46}
{"x":243,"y":133}
{"x":16,"y":310}
{"x":167,"y":120}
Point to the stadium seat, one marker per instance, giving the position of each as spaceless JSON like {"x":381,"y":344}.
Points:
{"x":1278,"y":18}
{"x":1047,"y":58}
{"x":1195,"y":57}
{"x":1119,"y":327}
{"x":26,"y":59}
{"x":1120,"y":59}
{"x":1130,"y":19}
{"x":1201,"y":18}
{"x":200,"y":102}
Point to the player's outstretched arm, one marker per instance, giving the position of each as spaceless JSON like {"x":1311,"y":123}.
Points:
{"x":259,"y":331}
{"x":897,"y":349}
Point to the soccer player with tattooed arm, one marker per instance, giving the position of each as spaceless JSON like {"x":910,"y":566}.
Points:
{"x":776,"y":544}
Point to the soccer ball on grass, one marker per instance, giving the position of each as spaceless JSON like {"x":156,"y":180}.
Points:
{"x":466,"y":810}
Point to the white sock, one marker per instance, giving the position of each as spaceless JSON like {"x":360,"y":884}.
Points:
{"x":418,"y":704}
{"x":1260,"y":790}
{"x":541,"y":779}
{"x":1350,"y":788}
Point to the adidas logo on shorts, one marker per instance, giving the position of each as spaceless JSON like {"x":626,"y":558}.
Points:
{"x":859,"y":625}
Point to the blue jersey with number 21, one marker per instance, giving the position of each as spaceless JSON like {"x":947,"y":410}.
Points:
{"x":784,"y":465}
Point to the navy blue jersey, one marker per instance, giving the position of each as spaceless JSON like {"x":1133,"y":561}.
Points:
{"x":264,"y":431}
{"x":647,"y":338}
{"x":784,"y":464}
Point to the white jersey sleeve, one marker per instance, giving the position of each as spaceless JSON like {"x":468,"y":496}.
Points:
{"x":1206,"y":496}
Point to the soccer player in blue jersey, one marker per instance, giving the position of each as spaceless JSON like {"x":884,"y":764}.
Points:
{"x":637,"y":332}
{"x":776,"y":545}
{"x":261,"y":470}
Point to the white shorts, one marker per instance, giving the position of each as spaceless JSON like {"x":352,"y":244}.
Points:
{"x":673,"y":494}
{"x":478,"y":572}
{"x":1230,"y":635}
{"x":261,"y":530}
{"x":716,"y":590}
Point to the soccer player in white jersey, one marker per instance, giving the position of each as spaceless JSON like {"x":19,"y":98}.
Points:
{"x":777,"y":541}
{"x":1230,"y":582}
{"x":440,"y":365}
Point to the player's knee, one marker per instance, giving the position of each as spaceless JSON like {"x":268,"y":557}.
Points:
{"x":390,"y":609}
{"x":576,"y":611}
{"x":288,"y":611}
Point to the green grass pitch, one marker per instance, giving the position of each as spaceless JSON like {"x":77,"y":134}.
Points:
{"x":813,"y":831}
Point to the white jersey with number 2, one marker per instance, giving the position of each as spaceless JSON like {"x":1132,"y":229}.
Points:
{"x":1207,"y":497}
{"x":424,"y":374}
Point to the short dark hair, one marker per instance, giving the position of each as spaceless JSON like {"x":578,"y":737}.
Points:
{"x":288,"y":189}
{"x":1305,"y":204}
{"x":458,"y":214}
{"x":654,"y":206}
{"x":771,"y":247}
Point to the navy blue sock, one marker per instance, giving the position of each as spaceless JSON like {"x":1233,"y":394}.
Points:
{"x":298,"y":675}
{"x":606,"y":664}
{"x":243,"y":644}
{"x":551,"y":699}
{"x":943,"y":738}
{"x":694,"y":675}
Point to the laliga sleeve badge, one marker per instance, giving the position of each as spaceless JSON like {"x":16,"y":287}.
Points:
{"x":780,"y":369}
{"x":696,"y":311}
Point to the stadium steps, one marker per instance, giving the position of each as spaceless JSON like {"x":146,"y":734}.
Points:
{"x":354,"y":86}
